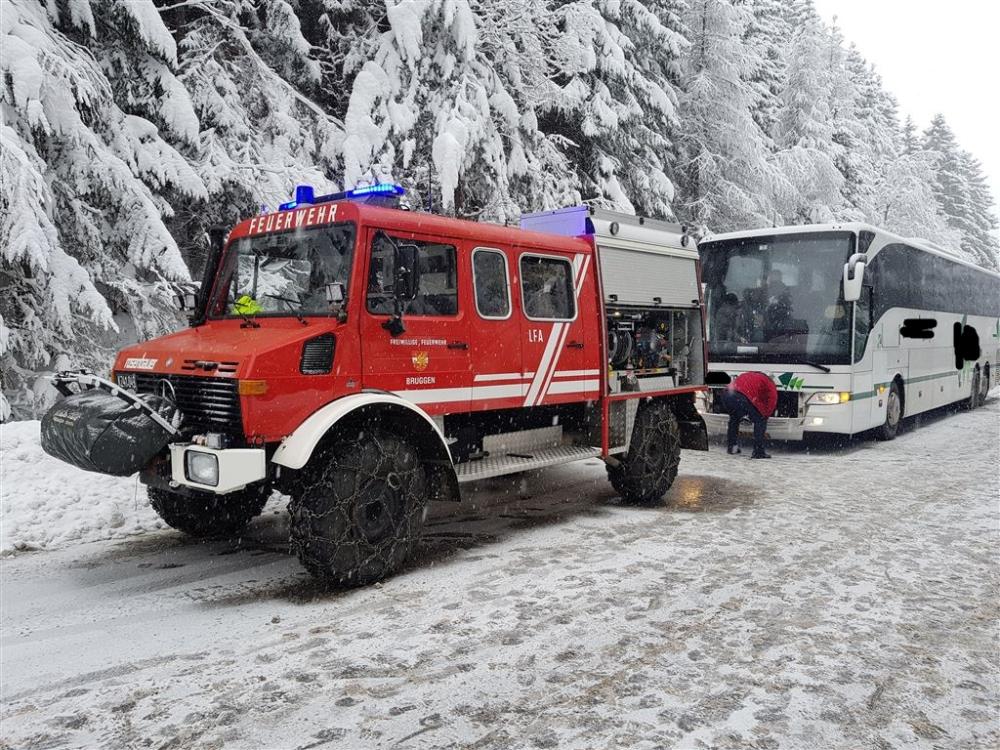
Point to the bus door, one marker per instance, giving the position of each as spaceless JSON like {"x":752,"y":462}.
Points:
{"x":862,"y":378}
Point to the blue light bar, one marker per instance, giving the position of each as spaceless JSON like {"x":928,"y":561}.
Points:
{"x":304,"y":195}
{"x":381,"y":188}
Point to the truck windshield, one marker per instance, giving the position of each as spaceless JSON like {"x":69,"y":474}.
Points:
{"x":778,"y":298}
{"x":285,"y":273}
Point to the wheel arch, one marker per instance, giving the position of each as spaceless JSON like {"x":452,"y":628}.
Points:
{"x":384,"y":409}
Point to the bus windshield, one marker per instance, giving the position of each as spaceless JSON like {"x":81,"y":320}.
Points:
{"x":284,"y":273}
{"x":778,"y":298}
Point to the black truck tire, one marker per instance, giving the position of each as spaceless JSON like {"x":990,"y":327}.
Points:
{"x":358,"y":509}
{"x":893,"y":413}
{"x":647,"y":470}
{"x":205,"y":514}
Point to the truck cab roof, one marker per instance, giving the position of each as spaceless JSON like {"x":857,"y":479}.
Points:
{"x":399,"y":220}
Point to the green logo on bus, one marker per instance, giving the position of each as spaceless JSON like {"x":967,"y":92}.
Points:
{"x":789,"y":380}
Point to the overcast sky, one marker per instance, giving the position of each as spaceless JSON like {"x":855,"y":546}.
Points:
{"x":934,"y":57}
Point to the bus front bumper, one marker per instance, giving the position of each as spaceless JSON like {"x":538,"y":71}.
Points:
{"x":817,"y":419}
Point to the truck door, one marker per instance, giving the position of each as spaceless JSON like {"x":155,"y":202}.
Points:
{"x":427,"y":363}
{"x":499,"y":380}
{"x":559,"y":327}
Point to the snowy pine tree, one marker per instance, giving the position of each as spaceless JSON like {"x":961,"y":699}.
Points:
{"x":725,"y":173}
{"x":87,"y":182}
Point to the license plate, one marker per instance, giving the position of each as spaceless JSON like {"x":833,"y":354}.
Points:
{"x":126,"y":380}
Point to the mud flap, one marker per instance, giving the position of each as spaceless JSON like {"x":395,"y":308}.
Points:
{"x":97,"y":431}
{"x":694,"y":433}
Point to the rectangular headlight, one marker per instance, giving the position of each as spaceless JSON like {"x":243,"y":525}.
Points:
{"x":202,"y":468}
{"x":831,"y":398}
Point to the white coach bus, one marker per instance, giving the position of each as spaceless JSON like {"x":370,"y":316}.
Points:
{"x":859,"y":328}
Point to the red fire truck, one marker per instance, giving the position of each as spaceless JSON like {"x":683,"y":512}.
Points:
{"x":366,"y":359}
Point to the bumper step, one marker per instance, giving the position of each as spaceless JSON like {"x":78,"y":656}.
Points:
{"x":495,"y":466}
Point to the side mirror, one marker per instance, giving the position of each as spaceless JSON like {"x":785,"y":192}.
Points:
{"x":334,"y":293}
{"x":854,"y":274}
{"x":186,"y":301}
{"x":407,"y":265}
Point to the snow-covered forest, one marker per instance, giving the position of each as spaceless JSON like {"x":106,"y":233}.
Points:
{"x":131,"y":126}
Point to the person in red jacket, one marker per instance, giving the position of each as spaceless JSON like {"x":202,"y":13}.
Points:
{"x":752,"y":395}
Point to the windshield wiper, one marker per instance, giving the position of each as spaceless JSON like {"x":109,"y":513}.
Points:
{"x":294,"y":307}
{"x":818,"y":366}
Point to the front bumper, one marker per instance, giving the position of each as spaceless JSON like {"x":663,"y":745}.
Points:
{"x":777,"y":427}
{"x":817,"y":419}
{"x":235,"y":467}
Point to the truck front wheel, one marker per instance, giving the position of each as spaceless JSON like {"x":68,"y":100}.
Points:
{"x":205,"y":514}
{"x":647,"y":470}
{"x":358,"y":509}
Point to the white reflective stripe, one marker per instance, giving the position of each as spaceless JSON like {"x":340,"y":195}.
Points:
{"x":543,"y":365}
{"x":574,"y":386}
{"x":476,"y":393}
{"x":484,"y":392}
{"x":436,"y":395}
{"x":580,"y":264}
{"x":503,"y":376}
{"x":576,"y":373}
{"x":555,"y":363}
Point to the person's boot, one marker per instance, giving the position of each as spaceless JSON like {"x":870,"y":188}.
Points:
{"x":733,"y":450}
{"x":760,"y":454}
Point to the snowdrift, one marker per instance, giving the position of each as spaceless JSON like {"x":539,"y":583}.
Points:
{"x":46,"y":503}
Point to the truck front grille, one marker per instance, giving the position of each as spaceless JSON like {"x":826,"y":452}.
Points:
{"x":208,"y":404}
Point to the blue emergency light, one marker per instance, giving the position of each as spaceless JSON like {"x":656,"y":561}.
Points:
{"x":304,"y":195}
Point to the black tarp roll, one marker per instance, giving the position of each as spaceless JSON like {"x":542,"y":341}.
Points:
{"x":96,"y":431}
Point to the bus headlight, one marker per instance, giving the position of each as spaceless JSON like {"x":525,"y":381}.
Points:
{"x":202,"y":468}
{"x":841,"y":397}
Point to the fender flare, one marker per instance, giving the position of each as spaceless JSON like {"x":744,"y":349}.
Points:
{"x":296,"y":449}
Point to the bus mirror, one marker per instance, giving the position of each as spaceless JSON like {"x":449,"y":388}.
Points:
{"x":854,"y":273}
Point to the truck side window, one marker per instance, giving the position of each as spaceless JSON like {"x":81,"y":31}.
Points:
{"x":489,"y":275}
{"x":438,"y":293}
{"x":547,"y":286}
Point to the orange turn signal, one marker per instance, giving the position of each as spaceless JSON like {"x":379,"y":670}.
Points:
{"x":253,"y":387}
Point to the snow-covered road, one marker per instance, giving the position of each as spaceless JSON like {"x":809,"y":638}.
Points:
{"x":834,"y":598}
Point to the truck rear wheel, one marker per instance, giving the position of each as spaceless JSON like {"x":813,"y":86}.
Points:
{"x":205,"y":514}
{"x":359,"y":508}
{"x":649,"y":467}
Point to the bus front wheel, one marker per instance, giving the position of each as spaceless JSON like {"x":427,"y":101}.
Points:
{"x":893,"y":413}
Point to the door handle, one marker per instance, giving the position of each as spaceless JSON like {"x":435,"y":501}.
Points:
{"x":574,"y":345}
{"x":457,"y":345}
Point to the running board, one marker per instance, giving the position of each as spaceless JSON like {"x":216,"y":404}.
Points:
{"x":470,"y":471}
